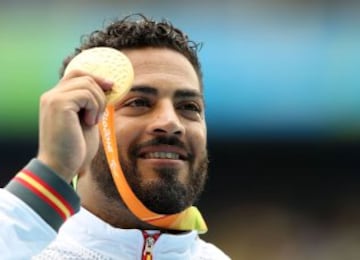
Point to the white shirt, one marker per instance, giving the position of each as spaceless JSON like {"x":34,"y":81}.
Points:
{"x":24,"y":234}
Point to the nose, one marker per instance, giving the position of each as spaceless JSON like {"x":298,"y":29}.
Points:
{"x":165,"y":120}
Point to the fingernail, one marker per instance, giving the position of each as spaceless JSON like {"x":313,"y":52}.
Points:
{"x":109,"y":83}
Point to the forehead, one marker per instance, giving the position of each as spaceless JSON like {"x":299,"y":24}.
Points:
{"x":160,"y":68}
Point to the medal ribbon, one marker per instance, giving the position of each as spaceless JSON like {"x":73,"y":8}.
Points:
{"x":189,"y":219}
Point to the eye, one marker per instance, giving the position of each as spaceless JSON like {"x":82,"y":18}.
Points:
{"x":190,"y":107}
{"x":138,"y":102}
{"x":190,"y":110}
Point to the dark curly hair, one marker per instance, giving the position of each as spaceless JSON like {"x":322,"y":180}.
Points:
{"x":138,"y":31}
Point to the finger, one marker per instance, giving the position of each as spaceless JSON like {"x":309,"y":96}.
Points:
{"x":87,"y":106}
{"x":78,"y":103}
{"x":86,"y":83}
{"x":104,"y":83}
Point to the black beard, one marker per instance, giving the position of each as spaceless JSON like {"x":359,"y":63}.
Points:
{"x":167,"y":195}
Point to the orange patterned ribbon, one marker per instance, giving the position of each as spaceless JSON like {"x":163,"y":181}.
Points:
{"x":189,"y":219}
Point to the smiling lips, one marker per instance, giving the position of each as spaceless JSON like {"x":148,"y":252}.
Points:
{"x":162,"y":155}
{"x":163,"y":152}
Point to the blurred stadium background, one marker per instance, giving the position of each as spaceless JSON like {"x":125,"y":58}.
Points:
{"x":283,"y":111}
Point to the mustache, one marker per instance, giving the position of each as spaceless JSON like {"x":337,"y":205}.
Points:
{"x":162,"y":140}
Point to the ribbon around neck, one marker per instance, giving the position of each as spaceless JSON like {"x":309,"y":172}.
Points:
{"x":189,"y":219}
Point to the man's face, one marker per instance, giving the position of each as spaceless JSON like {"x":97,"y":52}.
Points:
{"x":161,"y":133}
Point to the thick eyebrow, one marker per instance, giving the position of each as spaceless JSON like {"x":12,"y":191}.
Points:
{"x":145,"y":90}
{"x":181,"y":93}
{"x":188,"y":93}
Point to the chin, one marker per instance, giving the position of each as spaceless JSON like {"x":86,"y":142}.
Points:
{"x":165,"y":195}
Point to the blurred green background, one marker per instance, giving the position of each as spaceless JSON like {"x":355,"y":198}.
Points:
{"x":278,"y":69}
{"x":283,"y":111}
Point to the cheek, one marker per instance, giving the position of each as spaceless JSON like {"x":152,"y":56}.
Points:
{"x":127,"y":134}
{"x":199,"y":140}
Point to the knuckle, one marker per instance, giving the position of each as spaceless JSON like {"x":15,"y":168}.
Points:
{"x":89,"y":80}
{"x":46,"y":99}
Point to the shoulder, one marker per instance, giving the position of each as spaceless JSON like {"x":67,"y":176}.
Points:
{"x":208,"y":251}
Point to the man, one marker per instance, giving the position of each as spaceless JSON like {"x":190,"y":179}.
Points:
{"x":161,"y":140}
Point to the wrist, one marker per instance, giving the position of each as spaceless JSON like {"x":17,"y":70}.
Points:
{"x":56,"y":168}
{"x":45,"y":192}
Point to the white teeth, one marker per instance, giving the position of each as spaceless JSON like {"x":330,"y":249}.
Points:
{"x":162,"y":155}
